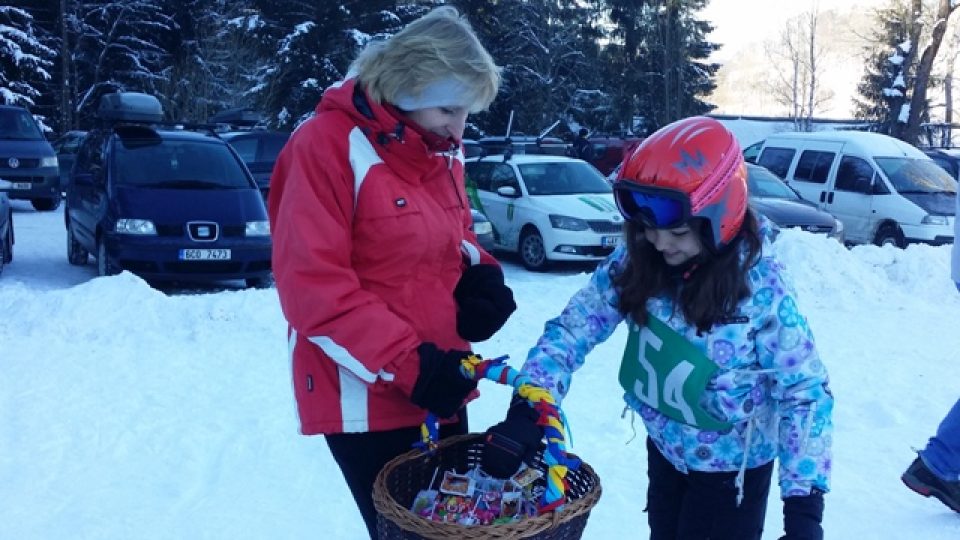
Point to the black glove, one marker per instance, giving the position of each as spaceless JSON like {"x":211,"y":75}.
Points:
{"x":484,"y":302}
{"x":441,"y":388}
{"x":514,"y":440}
{"x":802,"y":516}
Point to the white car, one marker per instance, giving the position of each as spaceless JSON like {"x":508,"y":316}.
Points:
{"x":546,"y":208}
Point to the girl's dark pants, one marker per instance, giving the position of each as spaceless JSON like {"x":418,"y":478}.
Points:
{"x":701,"y":505}
{"x":362,"y":455}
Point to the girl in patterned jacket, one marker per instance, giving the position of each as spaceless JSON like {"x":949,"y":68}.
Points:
{"x":719,"y":363}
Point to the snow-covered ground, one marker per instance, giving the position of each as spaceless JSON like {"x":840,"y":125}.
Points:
{"x":128,"y":413}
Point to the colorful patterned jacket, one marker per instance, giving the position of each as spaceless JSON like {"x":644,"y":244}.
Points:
{"x":769,"y":384}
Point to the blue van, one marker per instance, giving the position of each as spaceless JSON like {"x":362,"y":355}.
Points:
{"x":28,"y":165}
{"x":258,"y":149}
{"x":164,"y":203}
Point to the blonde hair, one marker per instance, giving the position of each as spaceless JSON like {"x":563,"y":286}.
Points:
{"x":439,"y":46}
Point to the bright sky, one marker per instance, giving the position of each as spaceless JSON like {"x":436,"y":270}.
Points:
{"x":743,"y":26}
{"x":741,"y":22}
{"x":126,"y":413}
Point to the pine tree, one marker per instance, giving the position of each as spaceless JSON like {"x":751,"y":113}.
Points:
{"x":25,"y":61}
{"x":117,"y":46}
{"x":211,"y":58}
{"x":313,"y":45}
{"x":886,"y":78}
{"x":548,"y":53}
{"x":658,"y":60}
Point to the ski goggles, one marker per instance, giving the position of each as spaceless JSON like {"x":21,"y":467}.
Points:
{"x":652,"y":207}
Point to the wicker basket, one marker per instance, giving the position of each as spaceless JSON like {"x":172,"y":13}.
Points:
{"x":403,"y":477}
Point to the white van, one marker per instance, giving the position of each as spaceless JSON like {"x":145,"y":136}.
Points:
{"x":884,"y":190}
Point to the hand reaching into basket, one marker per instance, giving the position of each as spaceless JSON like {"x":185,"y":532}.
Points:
{"x":512,"y":441}
{"x":536,"y":415}
{"x":441,"y":387}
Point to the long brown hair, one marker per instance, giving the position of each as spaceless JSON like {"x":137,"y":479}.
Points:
{"x":706,"y":293}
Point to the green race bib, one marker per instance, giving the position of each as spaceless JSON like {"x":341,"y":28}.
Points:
{"x":668,"y":373}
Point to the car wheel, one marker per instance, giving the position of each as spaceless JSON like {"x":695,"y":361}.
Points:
{"x":7,"y":244}
{"x":76,"y":255}
{"x":533,"y":254}
{"x":104,"y":268}
{"x":5,"y":251}
{"x":890,"y":235}
{"x":46,"y":205}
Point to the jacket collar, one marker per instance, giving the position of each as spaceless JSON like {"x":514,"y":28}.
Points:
{"x":387,"y":128}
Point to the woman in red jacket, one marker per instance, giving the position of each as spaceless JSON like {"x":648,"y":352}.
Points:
{"x":381,"y":281}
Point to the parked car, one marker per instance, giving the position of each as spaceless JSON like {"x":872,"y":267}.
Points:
{"x":166,"y":204}
{"x":608,"y":152}
{"x":258,"y":148}
{"x":751,"y":152}
{"x":27,"y":160}
{"x":522,"y":144}
{"x":471,"y":148}
{"x":614,"y":174}
{"x":66,"y":147}
{"x":884,"y":190}
{"x":483,"y":229}
{"x":6,"y":230}
{"x":782,"y":205}
{"x":546,"y":208}
{"x":947,"y":158}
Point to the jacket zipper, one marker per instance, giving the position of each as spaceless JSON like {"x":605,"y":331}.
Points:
{"x":453,"y":182}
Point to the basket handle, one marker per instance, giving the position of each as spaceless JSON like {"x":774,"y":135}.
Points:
{"x":551,"y":419}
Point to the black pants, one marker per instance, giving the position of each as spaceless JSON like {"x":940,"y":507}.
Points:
{"x":703,"y":506}
{"x":362,"y":455}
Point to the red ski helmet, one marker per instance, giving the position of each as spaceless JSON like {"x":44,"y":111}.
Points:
{"x":692,"y":168}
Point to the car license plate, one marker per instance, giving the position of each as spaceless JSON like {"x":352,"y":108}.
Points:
{"x":21,"y":185}
{"x":204,"y":254}
{"x":610,"y":241}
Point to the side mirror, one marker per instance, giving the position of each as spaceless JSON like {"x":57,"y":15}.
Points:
{"x":508,"y":191}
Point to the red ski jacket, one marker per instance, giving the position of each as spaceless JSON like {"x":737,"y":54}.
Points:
{"x":370,"y":230}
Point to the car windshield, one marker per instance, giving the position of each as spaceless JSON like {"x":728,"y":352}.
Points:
{"x":916,"y":175}
{"x":18,"y":125}
{"x":178,"y":164}
{"x":763,"y":183}
{"x":562,"y":178}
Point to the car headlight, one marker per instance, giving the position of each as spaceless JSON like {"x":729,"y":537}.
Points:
{"x":135,"y":226}
{"x":482,"y":227}
{"x":257,"y":228}
{"x":934,"y":220}
{"x":568,"y":223}
{"x":49,"y":161}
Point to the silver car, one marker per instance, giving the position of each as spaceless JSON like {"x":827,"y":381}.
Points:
{"x":6,"y":231}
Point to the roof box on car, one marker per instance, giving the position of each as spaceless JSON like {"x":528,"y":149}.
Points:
{"x":236,"y":117}
{"x":130,"y":107}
